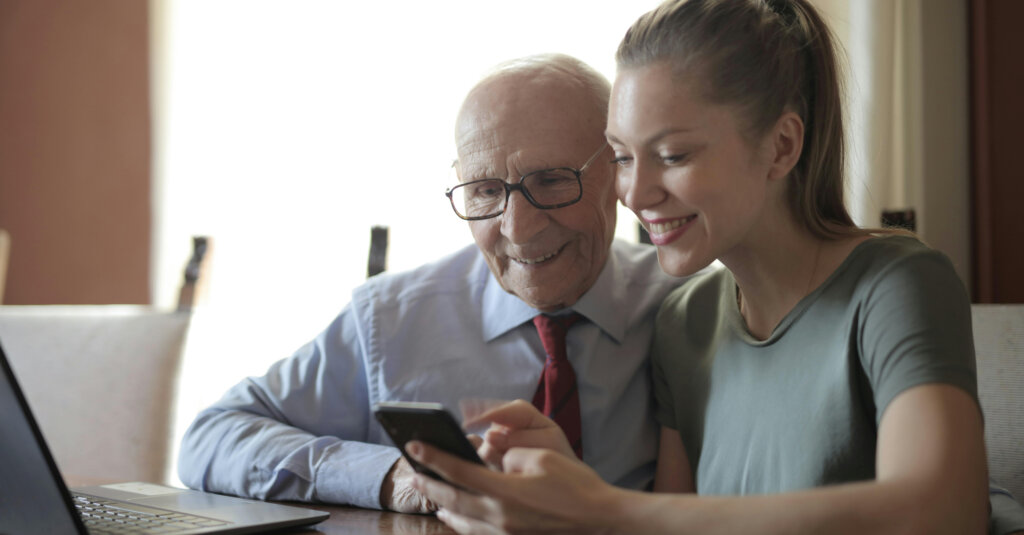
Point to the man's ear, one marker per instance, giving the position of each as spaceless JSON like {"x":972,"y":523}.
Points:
{"x":787,"y":139}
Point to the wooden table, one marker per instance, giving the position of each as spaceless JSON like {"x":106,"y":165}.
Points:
{"x":352,"y":520}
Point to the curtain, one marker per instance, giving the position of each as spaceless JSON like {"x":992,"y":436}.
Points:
{"x":907,"y":115}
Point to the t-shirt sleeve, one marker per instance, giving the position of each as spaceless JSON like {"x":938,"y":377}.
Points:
{"x":915,"y":328}
{"x":661,"y":349}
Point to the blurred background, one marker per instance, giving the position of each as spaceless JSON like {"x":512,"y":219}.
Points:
{"x":285,"y":130}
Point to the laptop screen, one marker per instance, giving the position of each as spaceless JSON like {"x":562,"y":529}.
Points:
{"x":33,"y":498}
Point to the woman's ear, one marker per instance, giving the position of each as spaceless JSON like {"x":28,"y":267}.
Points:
{"x":787,"y":139}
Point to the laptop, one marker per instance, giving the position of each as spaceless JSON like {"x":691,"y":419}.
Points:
{"x":34,"y":499}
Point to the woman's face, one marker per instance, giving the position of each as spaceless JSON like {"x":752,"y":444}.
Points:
{"x":684,"y":167}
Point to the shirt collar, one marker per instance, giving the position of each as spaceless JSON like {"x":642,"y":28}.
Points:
{"x":503,"y":311}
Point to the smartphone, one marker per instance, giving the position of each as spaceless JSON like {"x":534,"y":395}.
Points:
{"x":427,"y":422}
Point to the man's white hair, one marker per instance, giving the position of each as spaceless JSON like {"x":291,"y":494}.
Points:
{"x":560,"y":69}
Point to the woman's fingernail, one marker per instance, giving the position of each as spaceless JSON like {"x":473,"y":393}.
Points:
{"x":414,"y":448}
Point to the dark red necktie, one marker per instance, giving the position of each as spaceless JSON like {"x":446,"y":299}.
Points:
{"x":557,"y":395}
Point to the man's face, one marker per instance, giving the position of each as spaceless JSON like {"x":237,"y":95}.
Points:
{"x":513,"y":126}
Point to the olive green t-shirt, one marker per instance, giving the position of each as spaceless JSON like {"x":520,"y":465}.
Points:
{"x":801,"y":409}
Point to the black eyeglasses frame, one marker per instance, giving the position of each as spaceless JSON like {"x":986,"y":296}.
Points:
{"x":518,"y":186}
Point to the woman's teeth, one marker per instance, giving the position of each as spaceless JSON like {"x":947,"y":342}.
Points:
{"x":661,"y":228}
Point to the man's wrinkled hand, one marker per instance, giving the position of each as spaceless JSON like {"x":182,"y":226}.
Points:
{"x":397,"y":493}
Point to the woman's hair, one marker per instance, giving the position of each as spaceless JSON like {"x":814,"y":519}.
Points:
{"x":764,"y":57}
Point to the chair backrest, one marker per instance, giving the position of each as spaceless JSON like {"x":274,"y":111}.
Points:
{"x":5,"y":253}
{"x":101,"y":382}
{"x":194,"y":274}
{"x":999,"y":346}
{"x":378,"y":258}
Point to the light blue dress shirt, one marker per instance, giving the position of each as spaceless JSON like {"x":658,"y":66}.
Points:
{"x":444,"y":332}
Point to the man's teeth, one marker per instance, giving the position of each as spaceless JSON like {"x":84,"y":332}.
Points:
{"x":661,"y":228}
{"x":536,"y":260}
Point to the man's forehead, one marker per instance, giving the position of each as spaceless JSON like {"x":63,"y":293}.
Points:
{"x":501,"y":111}
{"x":500,"y":151}
{"x":498,"y":160}
{"x":516,"y":124}
{"x":515,"y":102}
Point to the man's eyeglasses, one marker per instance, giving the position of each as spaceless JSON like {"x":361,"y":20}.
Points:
{"x":546,"y":189}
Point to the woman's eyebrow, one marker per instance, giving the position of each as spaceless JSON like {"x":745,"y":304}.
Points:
{"x":654,"y":137}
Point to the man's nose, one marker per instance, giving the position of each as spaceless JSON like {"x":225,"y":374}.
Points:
{"x":521,"y":220}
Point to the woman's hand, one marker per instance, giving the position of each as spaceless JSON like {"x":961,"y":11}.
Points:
{"x":518,"y":424}
{"x":540,"y":491}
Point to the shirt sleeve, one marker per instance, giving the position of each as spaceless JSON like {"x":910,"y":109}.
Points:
{"x":1007,"y":514}
{"x":297,"y":433}
{"x":916,"y":328}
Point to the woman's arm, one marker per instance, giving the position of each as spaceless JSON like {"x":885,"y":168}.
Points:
{"x":931,"y":478}
{"x":673,"y":473}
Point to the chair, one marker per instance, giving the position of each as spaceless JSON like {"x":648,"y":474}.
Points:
{"x":101,"y":383}
{"x":378,"y":258}
{"x":195,"y":271}
{"x":101,"y":379}
{"x":999,"y":349}
{"x":5,"y":253}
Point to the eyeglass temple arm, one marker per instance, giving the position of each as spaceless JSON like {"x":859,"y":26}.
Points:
{"x":594,"y":157}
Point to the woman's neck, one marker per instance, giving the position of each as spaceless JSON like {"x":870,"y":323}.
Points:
{"x":779,"y":264}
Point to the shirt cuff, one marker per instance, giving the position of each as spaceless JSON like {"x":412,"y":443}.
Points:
{"x":352,"y":473}
{"x":1007,"y":515}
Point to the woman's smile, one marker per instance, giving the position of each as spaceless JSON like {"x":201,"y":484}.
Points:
{"x":666,"y":230}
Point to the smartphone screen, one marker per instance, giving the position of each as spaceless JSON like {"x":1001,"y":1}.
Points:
{"x":426,"y":422}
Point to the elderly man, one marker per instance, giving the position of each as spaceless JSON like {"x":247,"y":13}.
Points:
{"x":536,"y":185}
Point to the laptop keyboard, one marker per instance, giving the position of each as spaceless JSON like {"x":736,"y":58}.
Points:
{"x":103,"y":517}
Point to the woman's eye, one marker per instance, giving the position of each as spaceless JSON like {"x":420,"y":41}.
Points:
{"x":622,"y":161}
{"x":672,"y":159}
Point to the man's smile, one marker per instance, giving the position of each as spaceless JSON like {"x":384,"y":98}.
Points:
{"x":537,"y":259}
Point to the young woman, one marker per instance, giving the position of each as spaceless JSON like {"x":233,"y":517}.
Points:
{"x":824,"y":381}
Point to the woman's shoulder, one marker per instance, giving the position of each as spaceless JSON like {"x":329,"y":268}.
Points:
{"x":882,"y":257}
{"x":884,"y":248}
{"x":703,"y":289}
{"x":894,"y":271}
{"x":695,"y":308}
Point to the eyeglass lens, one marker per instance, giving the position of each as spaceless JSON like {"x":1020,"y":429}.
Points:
{"x":545,"y":189}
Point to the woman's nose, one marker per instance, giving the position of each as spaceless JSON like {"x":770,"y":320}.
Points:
{"x":637,"y":187}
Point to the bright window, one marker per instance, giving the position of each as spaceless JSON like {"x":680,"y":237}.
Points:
{"x":286,"y":129}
